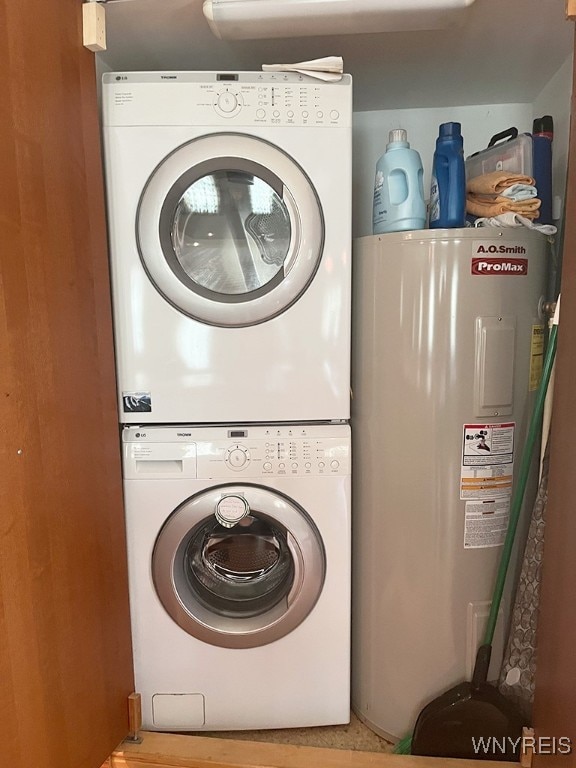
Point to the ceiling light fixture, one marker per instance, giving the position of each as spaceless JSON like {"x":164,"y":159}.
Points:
{"x":251,"y":19}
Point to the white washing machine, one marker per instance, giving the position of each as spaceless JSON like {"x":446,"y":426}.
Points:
{"x":239,"y":573}
{"x":229,"y":208}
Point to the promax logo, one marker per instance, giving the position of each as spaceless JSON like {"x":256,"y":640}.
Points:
{"x":490,"y":266}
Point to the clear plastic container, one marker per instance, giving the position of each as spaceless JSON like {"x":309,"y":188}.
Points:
{"x":512,"y":156}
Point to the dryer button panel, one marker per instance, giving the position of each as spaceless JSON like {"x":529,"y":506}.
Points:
{"x":276,"y":103}
{"x":271,"y":99}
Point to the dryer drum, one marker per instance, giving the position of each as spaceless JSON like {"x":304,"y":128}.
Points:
{"x":247,"y":569}
{"x":249,"y":238}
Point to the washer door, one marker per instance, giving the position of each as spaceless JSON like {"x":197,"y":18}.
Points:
{"x":238,"y":566}
{"x":230,"y":230}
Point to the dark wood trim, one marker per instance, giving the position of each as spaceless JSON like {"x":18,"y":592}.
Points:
{"x":555,"y":698}
{"x":65,"y":651}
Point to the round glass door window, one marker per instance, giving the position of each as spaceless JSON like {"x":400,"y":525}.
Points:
{"x":230,"y":230}
{"x":241,"y":571}
{"x":244,"y":583}
{"x":230,"y":235}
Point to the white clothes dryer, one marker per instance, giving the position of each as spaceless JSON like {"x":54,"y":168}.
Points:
{"x":239,"y":574}
{"x":229,"y":210}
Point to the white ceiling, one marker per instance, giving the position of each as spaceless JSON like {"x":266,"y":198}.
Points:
{"x":507,"y":51}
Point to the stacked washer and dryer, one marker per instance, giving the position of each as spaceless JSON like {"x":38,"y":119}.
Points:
{"x":229,"y":199}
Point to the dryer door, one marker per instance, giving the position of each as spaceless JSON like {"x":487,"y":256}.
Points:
{"x":239,"y":566}
{"x":230,"y":230}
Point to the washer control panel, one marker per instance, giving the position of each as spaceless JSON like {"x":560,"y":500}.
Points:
{"x":230,"y":99}
{"x":230,"y":452}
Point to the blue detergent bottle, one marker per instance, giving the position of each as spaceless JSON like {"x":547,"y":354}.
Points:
{"x":398,"y":188}
{"x":448,"y":189}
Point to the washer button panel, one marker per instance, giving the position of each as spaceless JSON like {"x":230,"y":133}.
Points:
{"x":283,"y":452}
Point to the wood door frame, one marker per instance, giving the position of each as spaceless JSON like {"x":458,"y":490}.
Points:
{"x":65,"y":658}
{"x":555,"y":694}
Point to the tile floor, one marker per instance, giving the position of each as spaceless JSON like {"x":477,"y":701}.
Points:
{"x":355,"y":736}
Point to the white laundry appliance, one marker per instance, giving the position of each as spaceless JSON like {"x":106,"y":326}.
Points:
{"x":229,"y":207}
{"x":239,"y":574}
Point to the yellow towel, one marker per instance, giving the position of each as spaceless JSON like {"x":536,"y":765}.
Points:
{"x":497,"y":181}
{"x":494,"y":205}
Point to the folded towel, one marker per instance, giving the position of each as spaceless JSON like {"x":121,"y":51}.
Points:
{"x":495,"y":182}
{"x":494,"y":205}
{"x":328,"y":69}
{"x":515,"y":220}
{"x":531,"y":203}
{"x":519,"y":192}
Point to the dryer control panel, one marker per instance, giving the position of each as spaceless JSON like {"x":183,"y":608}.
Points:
{"x":232,"y":451}
{"x":230,"y":99}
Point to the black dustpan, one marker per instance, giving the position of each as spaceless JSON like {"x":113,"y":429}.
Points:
{"x":474,"y":720}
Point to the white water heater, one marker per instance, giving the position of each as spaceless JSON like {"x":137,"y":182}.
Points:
{"x":447,"y":354}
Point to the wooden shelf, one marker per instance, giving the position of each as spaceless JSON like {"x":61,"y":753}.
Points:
{"x":162,"y":750}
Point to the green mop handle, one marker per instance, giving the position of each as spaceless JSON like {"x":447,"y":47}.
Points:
{"x":518,"y":496}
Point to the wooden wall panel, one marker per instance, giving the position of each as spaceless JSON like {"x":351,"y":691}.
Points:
{"x":555,"y":698}
{"x":65,"y":658}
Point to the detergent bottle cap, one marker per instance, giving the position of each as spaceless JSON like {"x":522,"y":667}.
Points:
{"x":397,"y":138}
{"x":450,"y":130}
{"x":398,"y":134}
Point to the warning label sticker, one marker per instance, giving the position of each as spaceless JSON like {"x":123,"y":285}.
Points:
{"x":486,"y":523}
{"x":487,"y":460}
{"x":536,"y":357}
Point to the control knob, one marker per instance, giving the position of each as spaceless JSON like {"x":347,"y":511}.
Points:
{"x":227,"y":102}
{"x":237,"y":457}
